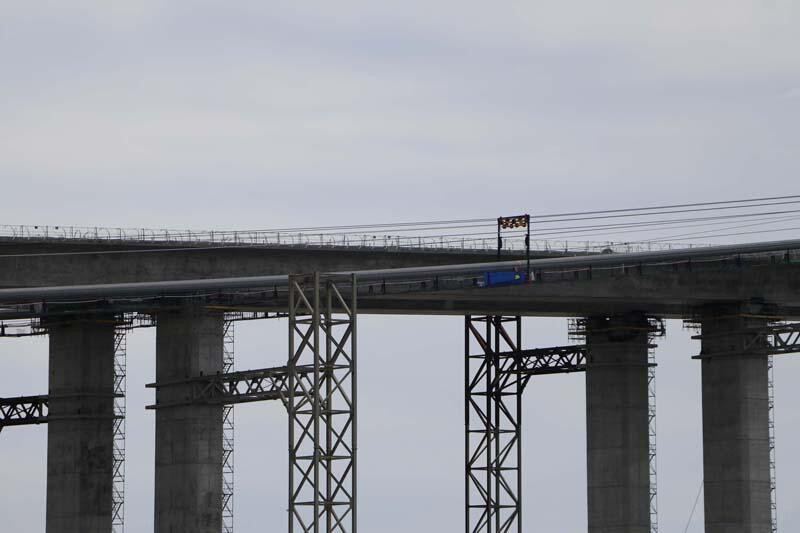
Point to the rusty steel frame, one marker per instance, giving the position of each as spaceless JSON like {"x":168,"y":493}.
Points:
{"x":322,"y":409}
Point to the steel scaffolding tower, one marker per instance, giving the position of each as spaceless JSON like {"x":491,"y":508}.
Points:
{"x":652,"y":448}
{"x":493,"y":409}
{"x":228,"y":359}
{"x":322,"y":405}
{"x":772,"y":470}
{"x":118,"y":458}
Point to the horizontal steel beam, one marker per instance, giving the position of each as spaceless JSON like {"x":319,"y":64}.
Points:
{"x":776,"y":339}
{"x":234,"y":387}
{"x":555,"y":360}
{"x":23,"y":410}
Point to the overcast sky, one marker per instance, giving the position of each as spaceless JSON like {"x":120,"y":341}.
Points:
{"x":250,"y":114}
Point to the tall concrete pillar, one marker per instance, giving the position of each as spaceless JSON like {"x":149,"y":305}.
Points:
{"x":735,"y":425}
{"x":80,"y":427}
{"x":188,"y":473}
{"x":617,"y":438}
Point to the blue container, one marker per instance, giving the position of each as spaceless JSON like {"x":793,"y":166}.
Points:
{"x":494,"y":279}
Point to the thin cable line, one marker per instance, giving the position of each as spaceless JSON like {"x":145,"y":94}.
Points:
{"x":697,"y":499}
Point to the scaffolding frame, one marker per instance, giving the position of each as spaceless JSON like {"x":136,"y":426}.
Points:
{"x":228,"y":363}
{"x":773,"y":500}
{"x":322,"y":405}
{"x":652,"y":437}
{"x":118,"y":457}
{"x":493,"y":424}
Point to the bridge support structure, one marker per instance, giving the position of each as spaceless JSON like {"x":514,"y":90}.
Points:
{"x":736,"y":425}
{"x":80,"y":431}
{"x":493,"y":423}
{"x":497,"y":370}
{"x":188,"y":462}
{"x":322,"y":404}
{"x":618,"y":425}
{"x":228,"y":433}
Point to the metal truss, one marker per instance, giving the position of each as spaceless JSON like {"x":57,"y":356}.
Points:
{"x":652,"y":438}
{"x":322,"y":410}
{"x":493,"y":392}
{"x":235,"y":387}
{"x":227,"y":430}
{"x":118,"y":454}
{"x":555,"y":360}
{"x":775,"y":339}
{"x":23,"y":410}
{"x":783,"y":338}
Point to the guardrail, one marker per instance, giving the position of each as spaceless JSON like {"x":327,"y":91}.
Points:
{"x":308,"y":239}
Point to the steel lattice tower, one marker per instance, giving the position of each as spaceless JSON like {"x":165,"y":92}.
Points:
{"x":652,"y":456}
{"x":118,"y":458}
{"x":493,"y":407}
{"x":322,"y":405}
{"x":227,"y":432}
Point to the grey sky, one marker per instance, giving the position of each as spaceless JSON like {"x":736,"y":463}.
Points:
{"x":251,"y":114}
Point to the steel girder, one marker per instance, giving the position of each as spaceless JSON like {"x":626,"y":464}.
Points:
{"x":234,"y":387}
{"x":776,"y":339}
{"x":23,"y":410}
{"x":555,"y":360}
{"x":322,"y":410}
{"x":493,"y":391}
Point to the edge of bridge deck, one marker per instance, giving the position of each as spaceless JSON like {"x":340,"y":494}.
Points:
{"x":120,"y":290}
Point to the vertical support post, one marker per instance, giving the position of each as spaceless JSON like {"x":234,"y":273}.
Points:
{"x":493,"y":420}
{"x":80,"y":429}
{"x":188,"y":469}
{"x":617,"y":425}
{"x":228,"y":437}
{"x":120,"y":378}
{"x":322,"y":405}
{"x":736,"y":452}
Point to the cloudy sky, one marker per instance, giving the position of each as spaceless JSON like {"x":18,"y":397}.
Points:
{"x":252,"y":114}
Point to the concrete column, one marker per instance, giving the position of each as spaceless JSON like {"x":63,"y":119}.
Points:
{"x":80,"y":428}
{"x":735,"y":426}
{"x":188,"y":473}
{"x":617,"y":442}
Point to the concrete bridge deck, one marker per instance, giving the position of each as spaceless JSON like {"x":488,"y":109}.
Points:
{"x":670,"y":284}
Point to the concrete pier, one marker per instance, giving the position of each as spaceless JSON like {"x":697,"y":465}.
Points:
{"x":735,"y":426}
{"x":617,"y":425}
{"x":188,"y":470}
{"x":80,"y":427}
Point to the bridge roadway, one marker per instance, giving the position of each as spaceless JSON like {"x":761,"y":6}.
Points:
{"x":667,"y":284}
{"x":734,"y":293}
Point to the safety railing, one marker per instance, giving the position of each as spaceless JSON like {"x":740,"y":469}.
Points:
{"x":327,"y":239}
